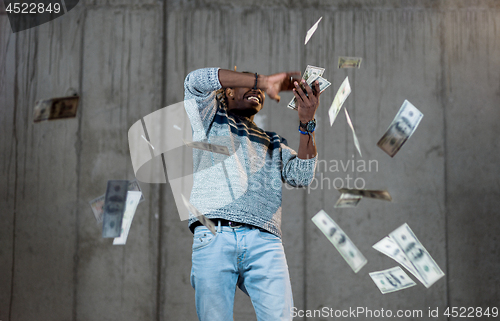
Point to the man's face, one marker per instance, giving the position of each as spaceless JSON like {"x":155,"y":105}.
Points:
{"x":245,"y":101}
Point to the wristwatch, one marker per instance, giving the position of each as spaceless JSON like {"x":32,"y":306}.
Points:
{"x":308,"y":127}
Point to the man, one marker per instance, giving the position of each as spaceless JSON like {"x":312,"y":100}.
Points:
{"x":241,"y":193}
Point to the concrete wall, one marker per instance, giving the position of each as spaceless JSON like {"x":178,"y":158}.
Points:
{"x":129,"y":58}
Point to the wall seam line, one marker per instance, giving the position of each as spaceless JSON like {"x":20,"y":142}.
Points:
{"x":14,"y":130}
{"x":445,"y":157}
{"x":78,"y":168}
{"x":159,"y":281}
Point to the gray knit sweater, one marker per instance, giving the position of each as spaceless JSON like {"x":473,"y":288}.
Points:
{"x":246,"y":186}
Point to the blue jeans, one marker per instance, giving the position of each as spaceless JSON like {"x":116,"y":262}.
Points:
{"x":247,"y":257}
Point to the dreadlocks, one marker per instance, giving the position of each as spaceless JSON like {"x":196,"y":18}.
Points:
{"x":221,"y":97}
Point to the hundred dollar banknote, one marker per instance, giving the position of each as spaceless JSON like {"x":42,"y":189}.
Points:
{"x":114,"y":207}
{"x":401,"y":128}
{"x":311,"y":31}
{"x":133,"y":199}
{"x":219,"y":149}
{"x":134,"y":186}
{"x":350,"y":62}
{"x":338,"y":101}
{"x":348,"y":200}
{"x":311,"y":71}
{"x":202,"y":218}
{"x":323,"y":84}
{"x":427,"y":269}
{"x":388,"y":247}
{"x":97,"y":203}
{"x":340,"y":240}
{"x":55,"y":108}
{"x":355,"y":137}
{"x":391,"y":280}
{"x":376,"y":194}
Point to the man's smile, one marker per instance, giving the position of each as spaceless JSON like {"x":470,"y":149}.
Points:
{"x":254,"y":96}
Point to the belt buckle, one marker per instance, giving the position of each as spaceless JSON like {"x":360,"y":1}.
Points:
{"x":233,"y":224}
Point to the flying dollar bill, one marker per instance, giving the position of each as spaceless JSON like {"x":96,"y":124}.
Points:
{"x":350,"y":62}
{"x":376,"y":194}
{"x":355,"y":138}
{"x":401,"y":128}
{"x":338,"y":101}
{"x":202,"y":218}
{"x":391,"y":280}
{"x":219,"y":149}
{"x":424,"y":264}
{"x":134,"y":186}
{"x":348,"y":200}
{"x":323,"y":84}
{"x":114,"y":207}
{"x":55,"y":108}
{"x":388,"y":247}
{"x":340,"y":240}
{"x":311,"y":31}
{"x":133,"y":199}
{"x":97,"y":203}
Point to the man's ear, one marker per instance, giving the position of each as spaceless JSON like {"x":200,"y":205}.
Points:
{"x":230,"y":93}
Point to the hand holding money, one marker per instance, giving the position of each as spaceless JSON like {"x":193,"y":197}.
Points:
{"x":311,"y":75}
{"x":308,"y":101}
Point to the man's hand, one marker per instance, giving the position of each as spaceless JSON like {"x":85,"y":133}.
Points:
{"x":306,"y":104}
{"x":275,"y":83}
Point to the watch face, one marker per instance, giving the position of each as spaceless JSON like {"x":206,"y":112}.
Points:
{"x":311,"y":125}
